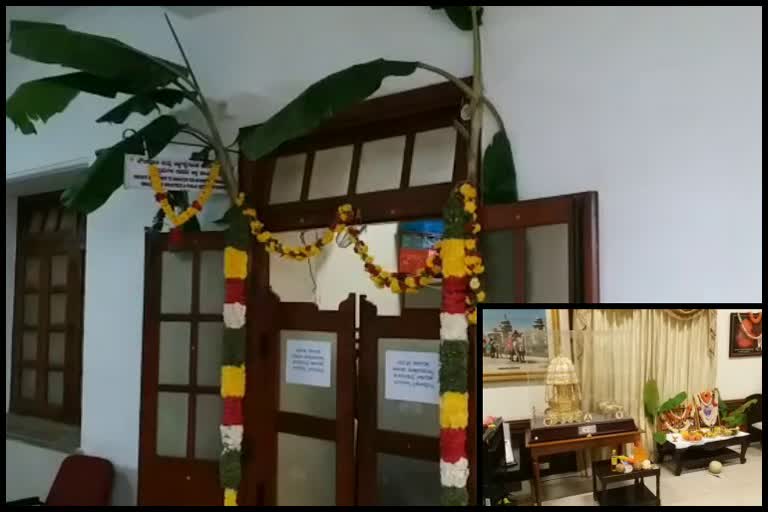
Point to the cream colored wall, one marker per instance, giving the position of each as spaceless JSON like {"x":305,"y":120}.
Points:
{"x":738,"y":377}
{"x":513,"y":400}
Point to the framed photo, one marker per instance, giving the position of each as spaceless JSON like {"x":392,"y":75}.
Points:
{"x":746,"y":335}
{"x":517,"y":343}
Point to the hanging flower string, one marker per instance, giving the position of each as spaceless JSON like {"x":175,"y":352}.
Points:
{"x":461,"y":264}
{"x":233,"y":358}
{"x":161,"y":196}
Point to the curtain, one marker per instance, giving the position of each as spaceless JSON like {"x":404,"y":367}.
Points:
{"x":618,"y":351}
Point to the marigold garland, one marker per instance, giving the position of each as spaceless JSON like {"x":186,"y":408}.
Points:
{"x":233,"y":357}
{"x":462,"y":290}
{"x":161,"y":196}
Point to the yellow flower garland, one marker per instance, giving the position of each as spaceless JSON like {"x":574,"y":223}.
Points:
{"x":454,"y":410}
{"x":162,"y":196}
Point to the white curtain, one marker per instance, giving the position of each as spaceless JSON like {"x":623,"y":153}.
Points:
{"x":618,"y":351}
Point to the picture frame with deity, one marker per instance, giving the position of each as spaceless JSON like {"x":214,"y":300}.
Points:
{"x":509,"y":355}
{"x":745,"y":338}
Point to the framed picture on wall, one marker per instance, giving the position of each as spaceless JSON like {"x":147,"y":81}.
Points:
{"x":518,"y":343}
{"x":746,"y":335}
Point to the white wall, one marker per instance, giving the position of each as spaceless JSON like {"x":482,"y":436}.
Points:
{"x":512,"y":400}
{"x":658,"y":109}
{"x":739,"y":377}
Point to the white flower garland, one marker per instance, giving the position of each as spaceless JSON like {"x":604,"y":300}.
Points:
{"x":456,"y":474}
{"x":234,"y":315}
{"x":453,"y":326}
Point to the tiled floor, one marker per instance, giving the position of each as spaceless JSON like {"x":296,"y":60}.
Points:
{"x":738,"y":485}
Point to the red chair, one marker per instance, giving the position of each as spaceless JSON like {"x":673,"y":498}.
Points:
{"x":81,"y":481}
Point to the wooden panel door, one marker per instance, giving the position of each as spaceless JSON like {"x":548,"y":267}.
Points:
{"x":302,"y":428}
{"x":542,"y":250}
{"x":399,"y":440}
{"x":181,"y":406}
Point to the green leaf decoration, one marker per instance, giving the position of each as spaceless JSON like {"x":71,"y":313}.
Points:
{"x":660,"y":437}
{"x":322,"y":100}
{"x":143,"y":104}
{"x":673,"y":403}
{"x":499,"y":176}
{"x":461,"y":15}
{"x":101,"y":56}
{"x":722,"y":405}
{"x":105,"y":175}
{"x":651,"y":398}
{"x":740,"y":411}
{"x":39,"y":100}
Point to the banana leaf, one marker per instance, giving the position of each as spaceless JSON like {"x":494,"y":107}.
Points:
{"x":461,"y":15}
{"x":143,"y":104}
{"x":673,"y":403}
{"x":39,"y":100}
{"x":499,"y":179}
{"x":105,"y":175}
{"x":322,"y":100}
{"x":651,"y":398}
{"x":101,"y":56}
{"x":660,"y":437}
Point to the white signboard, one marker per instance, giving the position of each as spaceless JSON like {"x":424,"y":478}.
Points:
{"x":412,"y":376}
{"x":308,"y":363}
{"x":176,"y":174}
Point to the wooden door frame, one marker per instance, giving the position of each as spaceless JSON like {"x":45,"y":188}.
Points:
{"x":152,"y":491}
{"x":269,"y":421}
{"x":579,"y":212}
{"x":412,"y":323}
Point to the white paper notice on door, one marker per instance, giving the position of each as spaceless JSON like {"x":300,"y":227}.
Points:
{"x":308,"y":362}
{"x":412,"y":376}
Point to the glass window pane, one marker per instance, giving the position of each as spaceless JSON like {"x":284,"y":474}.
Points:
{"x":29,"y":345}
{"x":499,"y":249}
{"x":209,"y":342}
{"x":176,"y":293}
{"x":429,"y":297}
{"x":211,"y":281}
{"x":59,"y":270}
{"x":36,"y":222}
{"x":172,"y":411}
{"x":433,"y":156}
{"x":32,"y":273}
{"x":28,"y":383}
{"x":313,"y":400}
{"x":406,"y":481}
{"x":56,"y":348}
{"x":31,"y":310}
{"x":287,"y":179}
{"x":174,"y":353}
{"x":547,"y":264}
{"x":408,"y":416}
{"x":56,"y":388}
{"x":306,"y":471}
{"x":51,"y":220}
{"x":330,"y":176}
{"x":207,"y":419}
{"x":58,"y":310}
{"x":381,"y":165}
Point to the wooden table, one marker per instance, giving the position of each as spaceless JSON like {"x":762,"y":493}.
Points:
{"x":538,"y":450}
{"x":702,"y":454}
{"x":632,"y":495}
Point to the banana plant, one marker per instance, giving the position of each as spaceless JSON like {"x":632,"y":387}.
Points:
{"x":107,"y":67}
{"x":653,"y":410}
{"x":736,"y":418}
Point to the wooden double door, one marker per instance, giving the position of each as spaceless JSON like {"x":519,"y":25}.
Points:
{"x":323,"y":424}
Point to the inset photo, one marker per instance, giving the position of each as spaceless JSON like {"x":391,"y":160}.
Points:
{"x":611,"y":405}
